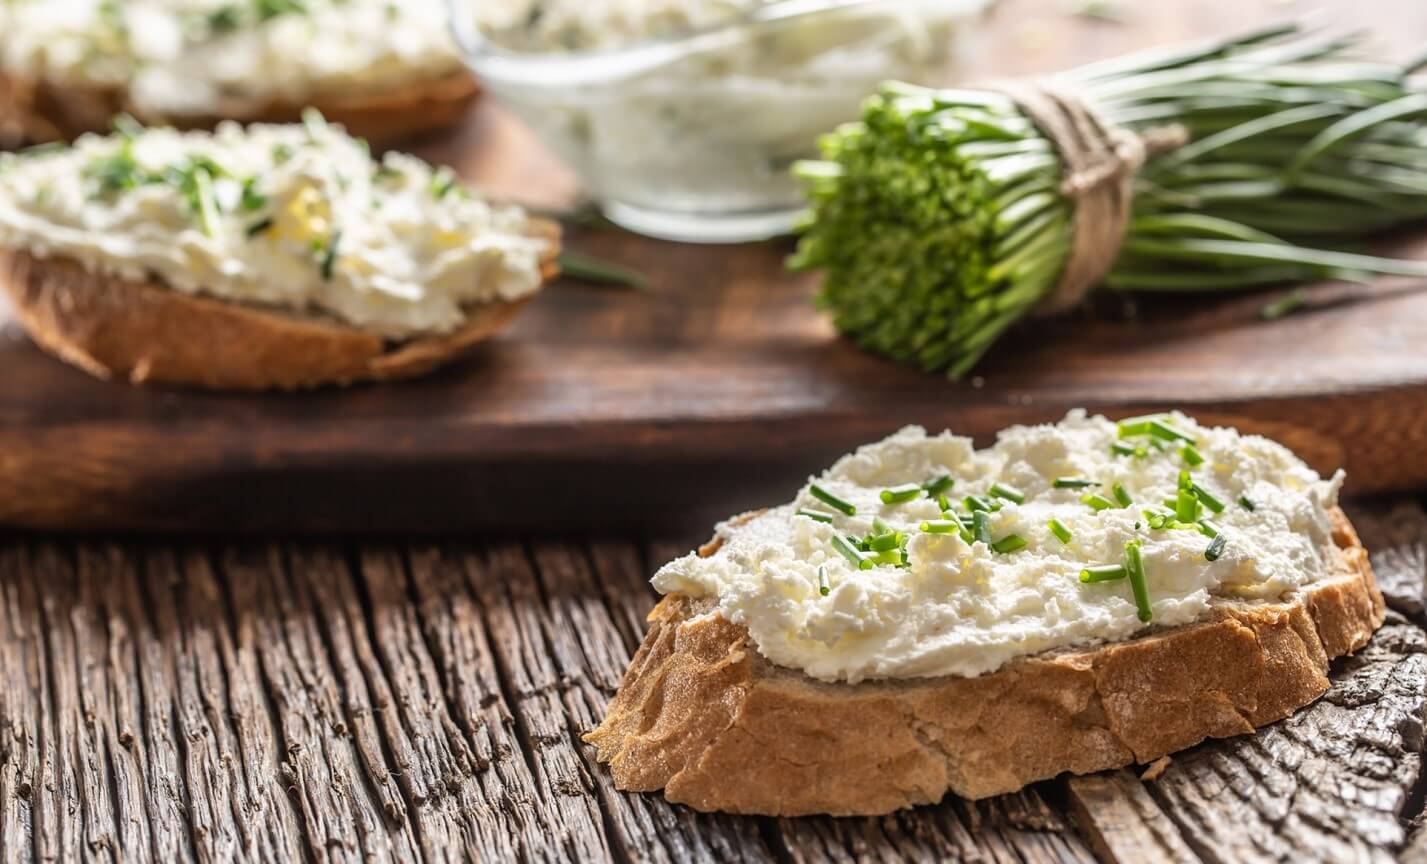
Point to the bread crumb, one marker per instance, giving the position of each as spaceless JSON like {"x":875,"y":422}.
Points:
{"x":1156,"y":768}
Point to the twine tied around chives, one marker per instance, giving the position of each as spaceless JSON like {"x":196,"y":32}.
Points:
{"x":1100,"y":161}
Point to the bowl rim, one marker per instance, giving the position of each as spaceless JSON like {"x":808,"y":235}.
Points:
{"x":497,"y":64}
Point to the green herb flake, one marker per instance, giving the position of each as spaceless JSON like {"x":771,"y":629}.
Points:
{"x":1191,"y":455}
{"x":1008,"y":544}
{"x":1208,"y":500}
{"x":1074,"y":483}
{"x":832,"y":500}
{"x":1103,"y":573}
{"x":824,"y":587}
{"x":848,"y":549}
{"x":1247,"y":503}
{"x":1061,"y":532}
{"x":816,"y":515}
{"x":1010,"y":493}
{"x":1135,"y":570}
{"x":329,"y":257}
{"x":939,"y":486}
{"x":1122,"y":496}
{"x":901,"y":494}
{"x":1097,"y":502}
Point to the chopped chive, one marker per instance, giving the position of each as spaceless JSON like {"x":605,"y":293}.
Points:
{"x":981,"y":526}
{"x":1216,"y":548}
{"x":943,"y":502}
{"x":1247,"y":503}
{"x":824,"y":587}
{"x":1185,"y":481}
{"x":1165,"y":430}
{"x":207,"y":206}
{"x":329,"y":258}
{"x":1122,"y":496}
{"x":1103,"y":573}
{"x":1209,"y":500}
{"x":259,"y":227}
{"x":886,"y":542}
{"x":879,"y":527}
{"x":832,"y":500}
{"x":1010,"y":493}
{"x":1008,"y":544}
{"x":848,"y":549}
{"x":1120,"y":448}
{"x":892,"y":557}
{"x":1186,"y":506}
{"x":1132,"y":426}
{"x":941,"y":526}
{"x":816,"y":515}
{"x":1097,"y":502}
{"x":1074,"y":483}
{"x":939,"y":485}
{"x":1209,"y":529}
{"x":978,"y":503}
{"x":1135,"y":569}
{"x":1060,"y":531}
{"x":1158,"y":444}
{"x":1191,"y":455}
{"x":900,"y":494}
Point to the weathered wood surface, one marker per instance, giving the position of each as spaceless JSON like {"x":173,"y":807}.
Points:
{"x":724,"y":377}
{"x":424,"y":702}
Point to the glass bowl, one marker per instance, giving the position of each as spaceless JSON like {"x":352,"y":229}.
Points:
{"x":692,"y":138}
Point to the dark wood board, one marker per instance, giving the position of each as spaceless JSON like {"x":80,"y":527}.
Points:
{"x":720,"y":390}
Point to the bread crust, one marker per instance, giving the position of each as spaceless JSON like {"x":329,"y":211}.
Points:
{"x":701,"y":715}
{"x":148,"y":333}
{"x":35,"y":111}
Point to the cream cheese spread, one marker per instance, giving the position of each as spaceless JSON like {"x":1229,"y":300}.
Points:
{"x":294,"y":217}
{"x":188,"y":56}
{"x":592,"y":25}
{"x":940,"y":605}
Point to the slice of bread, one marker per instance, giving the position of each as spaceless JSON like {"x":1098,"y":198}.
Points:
{"x":38,"y":111}
{"x":146,"y":332}
{"x":703,"y":716}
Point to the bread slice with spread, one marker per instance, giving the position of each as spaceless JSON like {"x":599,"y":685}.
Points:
{"x":927,"y":618}
{"x":266,"y":257}
{"x":387,"y":71}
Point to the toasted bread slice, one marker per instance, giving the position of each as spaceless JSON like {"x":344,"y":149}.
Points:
{"x":703,"y":716}
{"x":38,"y":111}
{"x":146,"y":332}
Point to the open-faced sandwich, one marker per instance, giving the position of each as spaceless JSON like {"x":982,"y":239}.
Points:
{"x":926,"y":617}
{"x":385,"y":70}
{"x":265,"y":257}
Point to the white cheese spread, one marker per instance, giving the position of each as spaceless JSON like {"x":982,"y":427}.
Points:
{"x":592,"y":25}
{"x":188,"y":56}
{"x":959,"y":608}
{"x":295,"y":217}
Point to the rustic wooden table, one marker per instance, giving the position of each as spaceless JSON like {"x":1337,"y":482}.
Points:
{"x":420,"y":702}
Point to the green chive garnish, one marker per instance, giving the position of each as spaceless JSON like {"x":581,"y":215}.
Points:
{"x":1010,"y":493}
{"x":939,"y":485}
{"x":1186,"y":506}
{"x":978,"y":504}
{"x":207,"y":206}
{"x":1163,"y":429}
{"x":1132,"y":426}
{"x":1120,"y":448}
{"x":1209,"y":529}
{"x":1135,"y":569}
{"x":1122,"y":496}
{"x":1216,"y":548}
{"x":1191,"y":455}
{"x":1209,"y":500}
{"x":1247,"y":503}
{"x":832,"y":500}
{"x":900,"y":494}
{"x":816,"y":515}
{"x":329,"y":258}
{"x":981,"y":526}
{"x":824,"y":587}
{"x":259,"y":227}
{"x":1060,"y":531}
{"x":1008,"y":544}
{"x":885,"y":542}
{"x":941,"y":526}
{"x":1074,"y":483}
{"x":1097,"y":502}
{"x":848,"y":549}
{"x":1103,"y":573}
{"x":943,"y":502}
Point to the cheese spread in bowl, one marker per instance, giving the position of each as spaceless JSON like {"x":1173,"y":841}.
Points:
{"x":921,"y":556}
{"x":175,"y":57}
{"x":298,"y":218}
{"x":682,"y":117}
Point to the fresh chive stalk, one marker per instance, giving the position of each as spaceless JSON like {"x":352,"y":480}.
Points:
{"x":941,"y":526}
{"x":1192,"y":457}
{"x":940,"y":486}
{"x":979,"y":503}
{"x":1123,"y":496}
{"x":1247,"y":503}
{"x":1135,"y":570}
{"x":832,"y":500}
{"x":939,"y":220}
{"x":1208,"y":499}
{"x":824,"y":587}
{"x":1061,"y":532}
{"x":885,"y":542}
{"x":981,"y":526}
{"x":1008,"y":544}
{"x":1097,"y":502}
{"x":1010,"y":493}
{"x":1074,"y":483}
{"x":816,"y":515}
{"x":1103,"y":573}
{"x":848,"y":549}
{"x":1186,"y":506}
{"x":901,"y":494}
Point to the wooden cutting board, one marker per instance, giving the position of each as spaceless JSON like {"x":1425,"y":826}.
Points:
{"x":719,"y":390}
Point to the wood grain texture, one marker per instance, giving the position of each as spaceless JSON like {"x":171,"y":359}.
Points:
{"x":424,"y":702}
{"x":723,"y":379}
